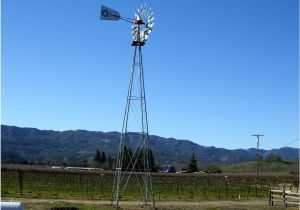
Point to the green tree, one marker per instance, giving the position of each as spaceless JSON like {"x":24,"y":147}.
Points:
{"x":97,"y":156}
{"x":137,"y":160}
{"x":97,"y":162}
{"x":103,"y":158}
{"x":110,"y":162}
{"x":210,"y":168}
{"x":152,"y":166}
{"x":141,"y":163}
{"x":139,"y":166}
{"x":273,"y":157}
{"x":127,"y":154}
{"x":193,"y":166}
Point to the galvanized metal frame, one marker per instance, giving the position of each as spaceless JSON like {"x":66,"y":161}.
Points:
{"x":122,"y":177}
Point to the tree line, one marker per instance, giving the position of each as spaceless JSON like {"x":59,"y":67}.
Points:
{"x":191,"y":166}
{"x":131,"y":160}
{"x":136,"y":161}
{"x":101,"y":160}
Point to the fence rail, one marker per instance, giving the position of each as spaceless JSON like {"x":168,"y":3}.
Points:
{"x":283,"y":196}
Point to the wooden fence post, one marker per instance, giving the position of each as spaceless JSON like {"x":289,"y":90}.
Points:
{"x":78,"y":182}
{"x":21,"y":182}
{"x":93,"y":183}
{"x":241,"y":191}
{"x":219,"y":195}
{"x":256,"y":190}
{"x":177,"y":189}
{"x":159,"y":192}
{"x":284,"y":199}
{"x":270,"y":198}
{"x":101,"y":185}
{"x":192,"y":190}
{"x":226,"y":190}
{"x":248,"y":191}
{"x":87,"y":187}
{"x":205,"y":191}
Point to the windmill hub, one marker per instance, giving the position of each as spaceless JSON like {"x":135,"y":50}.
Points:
{"x":143,"y":24}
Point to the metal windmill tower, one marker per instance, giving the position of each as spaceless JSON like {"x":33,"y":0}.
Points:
{"x":133,"y":165}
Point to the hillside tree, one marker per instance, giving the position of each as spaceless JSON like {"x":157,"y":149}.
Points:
{"x":273,"y":157}
{"x":110,"y":163}
{"x":97,"y":156}
{"x":153,"y":167}
{"x":192,"y":165}
{"x":127,"y":155}
{"x":103,"y":158}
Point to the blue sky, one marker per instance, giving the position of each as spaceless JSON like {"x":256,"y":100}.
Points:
{"x":216,"y":71}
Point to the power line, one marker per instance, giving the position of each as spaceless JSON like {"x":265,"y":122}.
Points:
{"x":272,"y":147}
{"x":291,"y":142}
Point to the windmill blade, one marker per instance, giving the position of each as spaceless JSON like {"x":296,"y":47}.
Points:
{"x":149,"y":11}
{"x":151,"y":25}
{"x":150,"y":20}
{"x":149,"y":17}
{"x":144,"y":15}
{"x":134,"y":37}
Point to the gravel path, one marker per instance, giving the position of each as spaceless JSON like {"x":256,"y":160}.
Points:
{"x":170,"y":205}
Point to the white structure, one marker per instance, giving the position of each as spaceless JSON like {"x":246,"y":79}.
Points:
{"x":11,"y":205}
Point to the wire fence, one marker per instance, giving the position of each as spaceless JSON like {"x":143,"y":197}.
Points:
{"x":97,"y":185}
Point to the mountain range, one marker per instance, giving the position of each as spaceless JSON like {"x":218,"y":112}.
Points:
{"x":50,"y":147}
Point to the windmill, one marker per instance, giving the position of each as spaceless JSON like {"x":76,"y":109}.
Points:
{"x":133,"y":164}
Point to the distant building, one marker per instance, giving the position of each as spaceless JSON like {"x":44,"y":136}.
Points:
{"x":57,"y":167}
{"x":84,"y":169}
{"x":169,"y":169}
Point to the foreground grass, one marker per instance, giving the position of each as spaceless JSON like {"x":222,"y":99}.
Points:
{"x":62,"y":206}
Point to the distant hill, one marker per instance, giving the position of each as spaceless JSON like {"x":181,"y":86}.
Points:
{"x":48,"y":146}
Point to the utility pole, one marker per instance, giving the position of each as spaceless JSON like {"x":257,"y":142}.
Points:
{"x":257,"y":157}
{"x":257,"y":152}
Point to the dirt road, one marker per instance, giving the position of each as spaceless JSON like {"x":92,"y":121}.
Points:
{"x":37,"y":204}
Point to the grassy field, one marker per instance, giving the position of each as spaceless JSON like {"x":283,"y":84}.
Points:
{"x":278,"y":167}
{"x":58,"y":184}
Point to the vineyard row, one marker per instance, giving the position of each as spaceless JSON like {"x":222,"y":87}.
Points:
{"x":98,"y":185}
